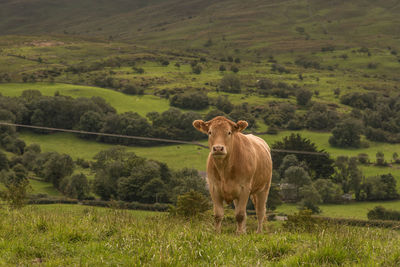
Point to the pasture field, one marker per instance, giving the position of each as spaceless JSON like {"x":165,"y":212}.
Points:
{"x":54,"y":235}
{"x":121,"y":102}
{"x":353,"y":210}
{"x":191,"y":156}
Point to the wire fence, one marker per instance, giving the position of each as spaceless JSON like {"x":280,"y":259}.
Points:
{"x":143,"y":138}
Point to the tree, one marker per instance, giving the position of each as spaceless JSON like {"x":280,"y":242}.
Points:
{"x":381,"y":187}
{"x":310,"y":199}
{"x":303,"y":97}
{"x":230,"y":83}
{"x":297,"y":176}
{"x":223,"y":103}
{"x":57,"y":167}
{"x":348,"y":175}
{"x":329,"y":191}
{"x":274,"y":197}
{"x":90,"y":121}
{"x":347,"y":134}
{"x":319,"y":165}
{"x":380,"y":159}
{"x":222,"y":68}
{"x":75,"y":186}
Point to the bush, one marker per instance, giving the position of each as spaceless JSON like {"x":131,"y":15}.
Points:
{"x":190,"y":100}
{"x":303,"y":97}
{"x":380,"y":213}
{"x":230,"y":83}
{"x":191,"y":204}
{"x":75,"y":186}
{"x":347,"y":134}
{"x":197,"y":69}
{"x":363,"y":158}
{"x":222,"y":68}
{"x":303,"y":221}
{"x":310,"y":198}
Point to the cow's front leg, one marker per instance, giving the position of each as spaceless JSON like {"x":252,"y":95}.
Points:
{"x":240,"y":210}
{"x":218,"y":204}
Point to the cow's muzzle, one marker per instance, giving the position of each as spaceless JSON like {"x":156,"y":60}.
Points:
{"x":218,"y":151}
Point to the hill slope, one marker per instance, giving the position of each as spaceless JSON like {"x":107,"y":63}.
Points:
{"x":258,"y":25}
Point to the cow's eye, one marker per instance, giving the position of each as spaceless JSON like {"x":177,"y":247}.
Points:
{"x":229,"y":133}
{"x":209,"y":133}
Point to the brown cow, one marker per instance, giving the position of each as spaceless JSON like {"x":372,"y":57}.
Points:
{"x":238,"y":166}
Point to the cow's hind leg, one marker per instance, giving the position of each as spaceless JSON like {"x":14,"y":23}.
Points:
{"x":260,"y":205}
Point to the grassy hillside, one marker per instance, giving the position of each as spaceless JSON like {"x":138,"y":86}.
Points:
{"x":303,"y":25}
{"x":75,"y":235}
{"x":121,"y":102}
{"x":190,"y":156}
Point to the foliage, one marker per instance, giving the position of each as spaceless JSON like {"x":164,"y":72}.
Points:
{"x":346,"y":134}
{"x":190,"y":100}
{"x":303,"y":97}
{"x":191,"y":204}
{"x":298,"y":177}
{"x":75,"y":186}
{"x":320,"y":165}
{"x":319,"y":117}
{"x":381,"y":187}
{"x":16,"y":187}
{"x":274,"y":197}
{"x":329,"y":191}
{"x":230,"y":83}
{"x":348,"y":175}
{"x":380,"y":213}
{"x":310,"y":198}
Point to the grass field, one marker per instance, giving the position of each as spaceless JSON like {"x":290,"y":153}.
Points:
{"x":121,"y":102}
{"x":54,"y":235}
{"x":355,"y":210}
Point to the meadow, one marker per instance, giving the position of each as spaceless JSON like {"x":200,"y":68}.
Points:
{"x":54,"y":235}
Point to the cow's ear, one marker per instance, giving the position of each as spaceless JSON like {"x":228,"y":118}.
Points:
{"x":241,"y":125}
{"x":201,"y":126}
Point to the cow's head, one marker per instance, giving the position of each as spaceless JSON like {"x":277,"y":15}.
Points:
{"x":221,"y":132}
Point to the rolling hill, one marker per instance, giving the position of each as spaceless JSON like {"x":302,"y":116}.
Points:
{"x":255,"y":26}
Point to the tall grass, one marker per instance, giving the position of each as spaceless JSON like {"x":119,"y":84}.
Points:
{"x":74,"y":235}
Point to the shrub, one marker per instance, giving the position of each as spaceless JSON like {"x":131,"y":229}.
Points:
{"x":310,"y":198}
{"x":380,"y":213}
{"x":230,"y":83}
{"x":75,"y":186}
{"x":223,"y":103}
{"x":303,"y":97}
{"x":303,"y":221}
{"x":234,"y":69}
{"x":363,"y":158}
{"x":190,"y":100}
{"x":222,"y":68}
{"x":191,"y":204}
{"x":380,"y":159}
{"x":347,"y":134}
{"x":197,"y":69}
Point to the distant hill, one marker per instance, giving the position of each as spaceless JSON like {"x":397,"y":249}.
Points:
{"x":255,"y":26}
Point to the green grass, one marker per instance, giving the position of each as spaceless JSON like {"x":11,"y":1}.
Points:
{"x":121,"y":102}
{"x":355,"y":210}
{"x":176,"y":156}
{"x":76,"y":235}
{"x":43,"y":188}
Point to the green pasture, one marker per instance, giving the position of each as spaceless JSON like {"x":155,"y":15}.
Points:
{"x":355,"y":210}
{"x":54,"y":235}
{"x":40,"y":187}
{"x":121,"y":102}
{"x":178,"y":156}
